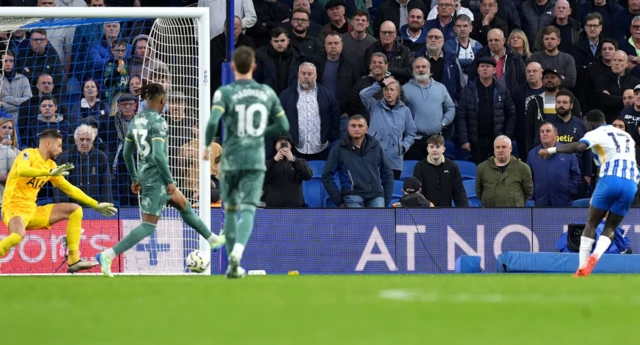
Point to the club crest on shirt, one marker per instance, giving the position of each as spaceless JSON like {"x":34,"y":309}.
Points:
{"x":25,"y":156}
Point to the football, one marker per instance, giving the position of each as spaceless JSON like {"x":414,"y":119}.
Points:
{"x":198,"y":261}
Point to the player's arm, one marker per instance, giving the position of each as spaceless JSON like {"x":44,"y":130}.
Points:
{"x":159,"y":155}
{"x":73,"y":192}
{"x":576,"y":147}
{"x":217,"y":110}
{"x":24,"y":169}
{"x":128,"y":159}
{"x":280,"y":122}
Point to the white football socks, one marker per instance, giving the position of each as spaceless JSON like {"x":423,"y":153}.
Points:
{"x":238,"y":250}
{"x":603,"y":244}
{"x":109,"y":254}
{"x":212,"y":239}
{"x":586,"y":244}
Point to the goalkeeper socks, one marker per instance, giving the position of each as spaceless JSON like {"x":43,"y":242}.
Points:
{"x":247,"y":213}
{"x":230,"y":222}
{"x":586,"y":243}
{"x":73,"y":235}
{"x":195,"y":222}
{"x":603,"y":244}
{"x":134,"y":237}
{"x":9,"y":242}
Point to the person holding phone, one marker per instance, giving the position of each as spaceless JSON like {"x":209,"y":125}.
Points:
{"x":284,"y":176}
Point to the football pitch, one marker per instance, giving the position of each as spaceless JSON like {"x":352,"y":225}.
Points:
{"x":308,"y":310}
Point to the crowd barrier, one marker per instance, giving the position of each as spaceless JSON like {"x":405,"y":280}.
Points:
{"x":330,"y":241}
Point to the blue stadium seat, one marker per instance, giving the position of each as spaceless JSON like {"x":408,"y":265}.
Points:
{"x":470,"y":188}
{"x":317,"y":167}
{"x":581,"y":202}
{"x":530,"y":203}
{"x":475,"y":202}
{"x":397,"y":191}
{"x":313,"y":192}
{"x":450,"y":150}
{"x":407,"y":169}
{"x":467,"y":169}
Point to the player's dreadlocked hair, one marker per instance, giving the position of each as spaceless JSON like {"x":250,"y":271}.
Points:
{"x":152,"y":91}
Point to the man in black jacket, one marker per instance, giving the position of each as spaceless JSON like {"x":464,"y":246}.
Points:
{"x":485,"y":110}
{"x":218,"y":49}
{"x":91,"y":174}
{"x":278,"y":62}
{"x":400,"y":58}
{"x":284,"y":176}
{"x":366,"y":179}
{"x":440,"y":178}
{"x":338,"y":74}
{"x":412,"y":190}
{"x":390,"y":11}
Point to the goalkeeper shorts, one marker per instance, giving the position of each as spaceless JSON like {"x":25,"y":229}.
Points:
{"x":34,"y":218}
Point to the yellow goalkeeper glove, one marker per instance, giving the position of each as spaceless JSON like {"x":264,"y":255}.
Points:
{"x":61,"y":170}
{"x":106,"y":208}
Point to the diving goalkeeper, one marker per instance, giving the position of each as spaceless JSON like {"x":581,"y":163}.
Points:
{"x":32,"y":169}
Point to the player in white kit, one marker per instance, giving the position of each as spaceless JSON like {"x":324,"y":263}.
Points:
{"x":615,"y":154}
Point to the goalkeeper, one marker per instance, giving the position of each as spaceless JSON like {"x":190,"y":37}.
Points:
{"x":32,"y":169}
{"x":148,"y":132}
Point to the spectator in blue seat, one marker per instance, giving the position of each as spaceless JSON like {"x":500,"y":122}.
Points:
{"x":42,"y":58}
{"x":91,"y":173}
{"x":100,"y":52}
{"x":47,"y":119}
{"x":90,"y":106}
{"x":366,"y":179}
{"x":556,"y":179}
{"x":284,"y":176}
{"x":440,"y":177}
{"x":391,"y":122}
{"x":14,"y":87}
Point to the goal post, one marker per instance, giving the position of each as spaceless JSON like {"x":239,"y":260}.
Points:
{"x":177,"y":54}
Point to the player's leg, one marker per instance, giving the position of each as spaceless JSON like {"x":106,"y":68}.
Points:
{"x":601,"y":202}
{"x":230,"y":196}
{"x":17,"y":227}
{"x":50,"y":214}
{"x":153,"y":199}
{"x":617,"y":212}
{"x":183,"y":206}
{"x":250,"y":186}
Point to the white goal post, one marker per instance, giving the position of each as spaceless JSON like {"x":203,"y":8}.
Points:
{"x":168,"y":32}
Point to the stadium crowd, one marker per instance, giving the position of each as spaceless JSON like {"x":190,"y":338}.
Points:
{"x":460,"y":94}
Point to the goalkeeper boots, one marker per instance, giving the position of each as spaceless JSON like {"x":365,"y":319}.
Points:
{"x":105,"y":264}
{"x":234,"y":270}
{"x":81,"y":266}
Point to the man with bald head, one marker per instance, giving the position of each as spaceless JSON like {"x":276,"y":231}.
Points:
{"x":609,"y":87}
{"x":521,"y":97}
{"x":503,"y":180}
{"x":509,"y":65}
{"x":400,"y":58}
{"x":569,"y":28}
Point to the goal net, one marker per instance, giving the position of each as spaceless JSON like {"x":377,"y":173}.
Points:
{"x":80,"y":70}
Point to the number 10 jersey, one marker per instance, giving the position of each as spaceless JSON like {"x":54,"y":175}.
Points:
{"x":247,"y":108}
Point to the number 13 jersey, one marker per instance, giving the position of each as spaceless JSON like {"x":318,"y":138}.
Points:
{"x":247,"y":108}
{"x":615,"y":152}
{"x":146,"y":127}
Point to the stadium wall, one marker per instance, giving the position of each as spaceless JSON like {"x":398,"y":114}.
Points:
{"x":329,"y":241}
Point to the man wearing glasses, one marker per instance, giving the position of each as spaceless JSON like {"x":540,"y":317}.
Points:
{"x":444,"y":21}
{"x":399,"y":58}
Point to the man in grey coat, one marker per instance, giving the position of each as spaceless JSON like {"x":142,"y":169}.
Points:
{"x":431,"y":106}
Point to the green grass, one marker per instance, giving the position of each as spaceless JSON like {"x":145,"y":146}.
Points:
{"x":323,"y":310}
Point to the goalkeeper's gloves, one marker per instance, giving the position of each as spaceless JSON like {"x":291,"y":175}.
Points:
{"x":106,"y":209}
{"x":61,"y":170}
